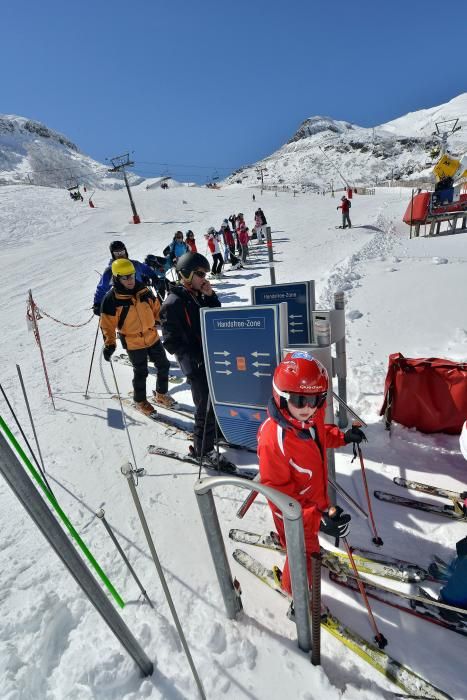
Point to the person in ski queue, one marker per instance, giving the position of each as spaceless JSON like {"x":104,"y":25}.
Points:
{"x":190,"y":242}
{"x":214,"y":245}
{"x":242,"y":237}
{"x":143,"y":272}
{"x":176,"y":249}
{"x":345,"y":206}
{"x":259,"y":227}
{"x":130,"y":309}
{"x":260,"y":213}
{"x":229,"y":242}
{"x":160,"y":265}
{"x":292,"y":445}
{"x":253,"y":197}
{"x":181,"y":334}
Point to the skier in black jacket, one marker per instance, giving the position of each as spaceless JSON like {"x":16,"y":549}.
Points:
{"x":181,"y":332}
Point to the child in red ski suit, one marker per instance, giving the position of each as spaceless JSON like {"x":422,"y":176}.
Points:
{"x":292,"y":445}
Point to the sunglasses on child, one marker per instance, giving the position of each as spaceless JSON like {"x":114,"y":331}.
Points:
{"x":308,"y":400}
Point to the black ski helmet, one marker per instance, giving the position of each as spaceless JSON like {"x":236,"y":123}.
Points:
{"x":117,"y":245}
{"x":154,"y":261}
{"x":189,"y":262}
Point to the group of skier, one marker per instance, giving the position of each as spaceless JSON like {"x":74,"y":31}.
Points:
{"x":292,"y":441}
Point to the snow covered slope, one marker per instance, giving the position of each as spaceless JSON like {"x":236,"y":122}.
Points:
{"x":401,"y":295}
{"x":30,"y":152}
{"x":324,"y":150}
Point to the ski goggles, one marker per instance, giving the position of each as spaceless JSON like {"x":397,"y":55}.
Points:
{"x":307,"y":400}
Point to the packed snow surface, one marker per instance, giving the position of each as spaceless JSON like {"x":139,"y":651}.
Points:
{"x":401,"y":295}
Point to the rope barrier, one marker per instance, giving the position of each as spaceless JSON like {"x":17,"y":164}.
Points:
{"x":63,"y":323}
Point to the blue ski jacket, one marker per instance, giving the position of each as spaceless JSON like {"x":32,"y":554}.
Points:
{"x":144,"y":274}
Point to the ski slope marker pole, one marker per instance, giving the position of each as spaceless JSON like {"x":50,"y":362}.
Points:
{"x":92,"y":360}
{"x":380,"y":639}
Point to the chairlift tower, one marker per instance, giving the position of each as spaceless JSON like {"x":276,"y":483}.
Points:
{"x":119,"y":164}
{"x":260,"y":170}
{"x":443,"y":132}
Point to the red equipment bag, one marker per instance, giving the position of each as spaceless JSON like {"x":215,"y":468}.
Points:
{"x":427,"y":394}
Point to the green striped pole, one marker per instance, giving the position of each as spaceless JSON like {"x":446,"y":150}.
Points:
{"x":53,"y":501}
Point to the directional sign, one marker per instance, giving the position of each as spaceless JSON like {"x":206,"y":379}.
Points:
{"x":242,"y":347}
{"x":300,"y":300}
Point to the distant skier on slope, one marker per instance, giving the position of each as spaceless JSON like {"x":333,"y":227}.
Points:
{"x":292,"y":445}
{"x":131,"y":309}
{"x":143,"y":272}
{"x":345,"y":206}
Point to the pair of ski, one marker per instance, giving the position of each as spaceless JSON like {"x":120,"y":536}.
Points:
{"x":376,"y":564}
{"x":224,"y":466}
{"x":456,"y":510}
{"x":406,"y":679}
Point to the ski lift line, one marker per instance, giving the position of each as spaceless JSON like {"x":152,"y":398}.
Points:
{"x":183,"y":165}
{"x":334,"y":166}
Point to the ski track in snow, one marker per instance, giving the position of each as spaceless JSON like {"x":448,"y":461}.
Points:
{"x":400,"y":296}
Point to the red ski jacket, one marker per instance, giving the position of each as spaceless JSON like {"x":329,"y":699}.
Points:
{"x":344,"y":205}
{"x":294,"y":461}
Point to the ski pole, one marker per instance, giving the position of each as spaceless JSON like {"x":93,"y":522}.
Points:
{"x":127,"y":472}
{"x":92,"y":360}
{"x":203,"y":441}
{"x":18,"y":369}
{"x":101,"y":516}
{"x":123,"y":415}
{"x":376,"y":538}
{"x":347,"y":408}
{"x":18,"y":424}
{"x":380,"y":639}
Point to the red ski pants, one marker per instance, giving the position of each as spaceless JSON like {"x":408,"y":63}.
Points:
{"x":311,"y":543}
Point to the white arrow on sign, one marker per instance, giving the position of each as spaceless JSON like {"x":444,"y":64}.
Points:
{"x":222,"y":352}
{"x":262,"y":374}
{"x":296,"y":316}
{"x":261,"y":364}
{"x":260,"y":354}
{"x":223,"y":371}
{"x":296,"y":323}
{"x":298,"y":330}
{"x":222,"y":362}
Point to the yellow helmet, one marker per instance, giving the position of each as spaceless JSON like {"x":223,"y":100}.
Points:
{"x":122,"y":266}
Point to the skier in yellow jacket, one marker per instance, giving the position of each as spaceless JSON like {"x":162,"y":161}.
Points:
{"x":130,"y":309}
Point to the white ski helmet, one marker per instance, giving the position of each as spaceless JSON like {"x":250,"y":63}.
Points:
{"x":463,"y":440}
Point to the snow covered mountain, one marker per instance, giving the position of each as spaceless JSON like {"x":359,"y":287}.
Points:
{"x":31,"y":153}
{"x":325,"y":151}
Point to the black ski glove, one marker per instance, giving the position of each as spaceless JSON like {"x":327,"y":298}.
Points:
{"x":109,"y":351}
{"x":354,"y":435}
{"x":337,"y":524}
{"x":97,"y":309}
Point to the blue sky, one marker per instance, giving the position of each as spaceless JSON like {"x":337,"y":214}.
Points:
{"x":206,"y":86}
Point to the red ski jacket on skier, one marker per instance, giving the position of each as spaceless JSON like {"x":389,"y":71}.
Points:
{"x":294,"y":461}
{"x":344,"y":205}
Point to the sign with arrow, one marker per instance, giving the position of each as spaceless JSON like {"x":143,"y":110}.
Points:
{"x":242,"y":347}
{"x":300,"y":300}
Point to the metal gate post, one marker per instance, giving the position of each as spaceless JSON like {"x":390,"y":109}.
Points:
{"x":33,"y":503}
{"x":341,"y":364}
{"x":293,"y":523}
{"x":323,"y":339}
{"x":207,"y":508}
